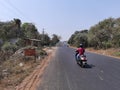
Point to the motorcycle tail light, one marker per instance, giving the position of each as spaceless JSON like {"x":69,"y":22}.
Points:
{"x":83,"y":58}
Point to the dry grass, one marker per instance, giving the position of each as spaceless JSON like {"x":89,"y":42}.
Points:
{"x":15,"y":70}
{"x":16,"y":73}
{"x":113,"y":52}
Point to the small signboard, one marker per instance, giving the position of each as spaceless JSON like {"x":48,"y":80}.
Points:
{"x":29,"y":52}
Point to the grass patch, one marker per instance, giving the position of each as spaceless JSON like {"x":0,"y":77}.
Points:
{"x":17,"y":68}
{"x":116,"y":54}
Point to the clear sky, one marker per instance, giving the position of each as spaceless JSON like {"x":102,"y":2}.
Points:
{"x":61,"y":17}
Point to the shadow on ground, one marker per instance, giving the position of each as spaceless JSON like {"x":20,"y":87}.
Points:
{"x":87,"y":66}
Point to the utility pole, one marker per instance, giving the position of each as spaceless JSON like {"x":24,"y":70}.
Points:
{"x":43,"y":32}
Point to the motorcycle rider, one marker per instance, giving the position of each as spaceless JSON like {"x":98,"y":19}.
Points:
{"x":80,"y":51}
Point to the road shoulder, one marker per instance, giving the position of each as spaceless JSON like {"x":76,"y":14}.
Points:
{"x":34,"y":79}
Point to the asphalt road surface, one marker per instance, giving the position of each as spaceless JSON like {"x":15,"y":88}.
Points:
{"x":62,"y":73}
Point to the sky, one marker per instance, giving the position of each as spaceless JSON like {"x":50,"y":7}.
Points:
{"x":61,"y":17}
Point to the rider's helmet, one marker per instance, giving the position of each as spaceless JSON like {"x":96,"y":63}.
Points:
{"x":81,"y":45}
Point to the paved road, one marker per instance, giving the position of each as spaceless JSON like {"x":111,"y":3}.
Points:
{"x":102,"y":73}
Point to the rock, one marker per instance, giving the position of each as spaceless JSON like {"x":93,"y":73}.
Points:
{"x":20,"y":64}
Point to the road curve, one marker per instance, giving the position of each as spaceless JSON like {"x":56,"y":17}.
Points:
{"x":62,"y":73}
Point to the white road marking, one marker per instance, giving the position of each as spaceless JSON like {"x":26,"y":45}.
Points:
{"x":68,"y":82}
{"x":100,"y":77}
{"x":101,"y":71}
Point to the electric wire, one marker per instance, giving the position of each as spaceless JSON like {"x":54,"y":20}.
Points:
{"x":8,"y":9}
{"x":14,"y":10}
{"x":17,"y":10}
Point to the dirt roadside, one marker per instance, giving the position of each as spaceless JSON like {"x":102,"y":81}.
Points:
{"x":34,"y":79}
{"x":112,"y":52}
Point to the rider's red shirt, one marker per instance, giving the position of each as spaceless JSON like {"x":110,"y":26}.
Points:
{"x":81,"y":51}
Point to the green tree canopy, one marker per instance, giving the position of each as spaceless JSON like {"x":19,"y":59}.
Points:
{"x":30,"y":31}
{"x":105,"y":34}
{"x":55,"y":39}
{"x":79,"y":37}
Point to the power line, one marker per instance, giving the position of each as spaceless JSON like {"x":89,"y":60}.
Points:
{"x":3,"y":5}
{"x":17,"y":10}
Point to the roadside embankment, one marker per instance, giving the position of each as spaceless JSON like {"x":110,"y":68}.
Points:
{"x":112,"y":52}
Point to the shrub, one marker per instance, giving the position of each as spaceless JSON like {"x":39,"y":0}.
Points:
{"x":9,"y":47}
{"x":42,"y":52}
{"x":107,"y":45}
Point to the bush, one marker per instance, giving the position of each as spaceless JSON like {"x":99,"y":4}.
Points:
{"x":107,"y":45}
{"x":20,"y":43}
{"x":9,"y":47}
{"x":42,"y":52}
{"x":117,"y":54}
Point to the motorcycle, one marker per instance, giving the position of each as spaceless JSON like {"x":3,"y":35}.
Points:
{"x":81,"y":60}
